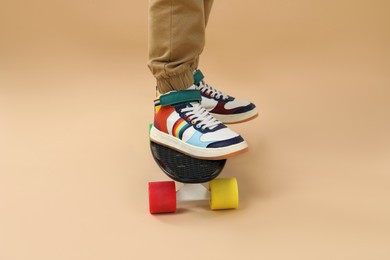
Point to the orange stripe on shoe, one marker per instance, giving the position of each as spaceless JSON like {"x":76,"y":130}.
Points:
{"x":161,"y":117}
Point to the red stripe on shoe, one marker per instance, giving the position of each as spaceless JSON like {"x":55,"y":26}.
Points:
{"x":161,"y":118}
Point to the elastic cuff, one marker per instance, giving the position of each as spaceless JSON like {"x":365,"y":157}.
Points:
{"x":177,"y":82}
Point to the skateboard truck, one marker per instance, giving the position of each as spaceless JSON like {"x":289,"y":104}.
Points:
{"x":193,"y":173}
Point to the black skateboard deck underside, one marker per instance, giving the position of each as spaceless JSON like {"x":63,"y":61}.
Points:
{"x":183,"y":168}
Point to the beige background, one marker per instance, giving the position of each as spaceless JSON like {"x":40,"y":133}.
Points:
{"x":76,"y":100}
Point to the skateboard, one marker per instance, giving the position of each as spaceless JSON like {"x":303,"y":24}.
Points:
{"x":194,"y":174}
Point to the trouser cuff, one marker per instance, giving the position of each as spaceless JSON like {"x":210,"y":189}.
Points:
{"x":176,"y":82}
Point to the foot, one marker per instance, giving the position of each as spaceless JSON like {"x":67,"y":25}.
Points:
{"x":225,"y":108}
{"x":181,"y":123}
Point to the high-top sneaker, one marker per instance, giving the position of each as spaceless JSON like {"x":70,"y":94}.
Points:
{"x":181,"y":123}
{"x":225,"y":108}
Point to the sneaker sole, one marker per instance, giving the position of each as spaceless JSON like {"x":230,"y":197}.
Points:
{"x":198,"y":152}
{"x":238,"y":118}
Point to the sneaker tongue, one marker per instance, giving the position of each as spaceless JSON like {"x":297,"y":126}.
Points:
{"x":184,"y":105}
{"x":198,"y":76}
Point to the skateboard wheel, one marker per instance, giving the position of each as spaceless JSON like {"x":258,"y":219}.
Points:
{"x":223,"y":194}
{"x":162,"y":197}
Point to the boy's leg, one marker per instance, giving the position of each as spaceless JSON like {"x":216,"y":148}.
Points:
{"x":207,"y":9}
{"x":176,"y":39}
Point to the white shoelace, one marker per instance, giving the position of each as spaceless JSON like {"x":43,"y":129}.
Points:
{"x":210,"y":90}
{"x":196,"y":111}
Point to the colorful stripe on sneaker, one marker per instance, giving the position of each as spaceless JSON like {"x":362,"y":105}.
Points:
{"x":179,"y":128}
{"x":161,"y":115}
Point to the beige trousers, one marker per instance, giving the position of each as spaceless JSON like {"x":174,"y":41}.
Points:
{"x":176,"y":39}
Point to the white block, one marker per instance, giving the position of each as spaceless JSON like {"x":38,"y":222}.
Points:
{"x":190,"y":192}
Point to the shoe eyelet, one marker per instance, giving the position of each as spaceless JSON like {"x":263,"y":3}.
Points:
{"x":193,"y":122}
{"x":212,"y":95}
{"x":198,"y":126}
